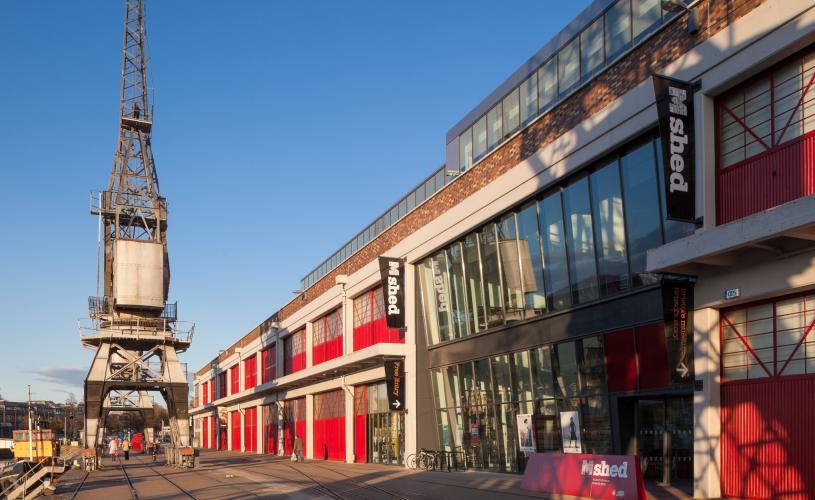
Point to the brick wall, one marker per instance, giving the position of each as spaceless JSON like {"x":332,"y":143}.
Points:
{"x":652,"y":56}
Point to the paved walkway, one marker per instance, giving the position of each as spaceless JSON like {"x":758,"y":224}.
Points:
{"x":227,"y":475}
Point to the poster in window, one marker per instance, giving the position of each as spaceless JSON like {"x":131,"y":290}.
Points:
{"x":526,"y":433}
{"x":570,"y":431}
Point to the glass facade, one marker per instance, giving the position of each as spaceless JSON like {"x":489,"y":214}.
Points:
{"x":575,"y":243}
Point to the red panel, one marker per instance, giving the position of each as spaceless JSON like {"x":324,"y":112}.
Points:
{"x":234,"y":380}
{"x":222,"y":385}
{"x":329,"y":438}
{"x":300,"y":430}
{"x":653,"y":356}
{"x":250,"y":435}
{"x":269,"y":363}
{"x":782,"y":174}
{"x":621,"y":361}
{"x":222,"y":433}
{"x":236,"y":431}
{"x":360,"y":435}
{"x":213,"y":429}
{"x":767,"y":438}
{"x":250,"y":372}
{"x":205,"y":432}
{"x":205,"y":393}
{"x":327,"y":350}
{"x":376,"y":332}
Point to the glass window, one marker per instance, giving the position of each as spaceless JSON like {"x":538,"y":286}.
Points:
{"x":411,"y":201}
{"x":512,"y":112}
{"x":673,"y":229}
{"x":529,"y":251}
{"x":547,"y":84}
{"x":500,"y":376}
{"x":465,"y":152}
{"x":556,"y":269}
{"x":618,"y":29}
{"x":511,"y":272}
{"x":428,"y":291}
{"x":591,"y":49}
{"x":491,"y":276}
{"x":403,"y":209}
{"x":568,"y":66}
{"x":476,"y":318}
{"x":565,"y":369}
{"x":480,"y":139}
{"x":494,"y":126}
{"x":543,"y":373}
{"x":468,"y":393}
{"x":609,"y":228}
{"x":441,"y":286}
{"x":420,"y":194}
{"x":580,"y":242}
{"x":592,"y":365}
{"x":429,"y":187}
{"x":640,"y":203}
{"x":458,"y":306}
{"x":646,"y":14}
{"x":595,"y":425}
{"x":529,"y":99}
{"x":483,"y":382}
{"x":522,"y":383}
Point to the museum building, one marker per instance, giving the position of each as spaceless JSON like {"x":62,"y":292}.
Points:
{"x":579,"y":258}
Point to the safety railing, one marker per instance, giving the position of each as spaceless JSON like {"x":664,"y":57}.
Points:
{"x":137,"y":328}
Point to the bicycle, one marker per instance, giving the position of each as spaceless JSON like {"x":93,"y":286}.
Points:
{"x":421,"y":460}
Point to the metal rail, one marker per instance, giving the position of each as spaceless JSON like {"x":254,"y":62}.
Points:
{"x":81,"y":484}
{"x":182,"y":490}
{"x":320,"y":486}
{"x":133,"y":494}
{"x":361,"y":484}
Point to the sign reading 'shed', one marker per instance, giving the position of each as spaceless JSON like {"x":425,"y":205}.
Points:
{"x":674,"y":100}
{"x":392,"y":271}
{"x":588,"y":476}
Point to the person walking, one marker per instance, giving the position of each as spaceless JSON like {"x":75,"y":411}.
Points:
{"x":113,"y":449}
{"x":126,"y":448}
{"x":298,"y":449}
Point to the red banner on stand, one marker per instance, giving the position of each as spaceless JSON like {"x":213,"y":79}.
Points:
{"x":590,"y":476}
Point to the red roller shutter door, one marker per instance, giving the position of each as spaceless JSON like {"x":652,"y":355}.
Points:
{"x":205,"y":432}
{"x":360,"y":416}
{"x":236,"y":431}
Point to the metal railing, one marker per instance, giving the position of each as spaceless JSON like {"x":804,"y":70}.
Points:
{"x":137,"y":328}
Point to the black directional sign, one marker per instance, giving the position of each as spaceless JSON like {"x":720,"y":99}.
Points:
{"x":395,"y":382}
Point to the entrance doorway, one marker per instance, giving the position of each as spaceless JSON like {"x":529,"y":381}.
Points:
{"x":659,"y":430}
{"x":386,"y":438}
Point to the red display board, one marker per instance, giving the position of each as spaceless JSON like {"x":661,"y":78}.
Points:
{"x":590,"y":476}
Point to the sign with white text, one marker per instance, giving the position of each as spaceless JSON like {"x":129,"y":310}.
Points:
{"x":392,"y":272}
{"x":587,"y":476}
{"x":395,"y":383}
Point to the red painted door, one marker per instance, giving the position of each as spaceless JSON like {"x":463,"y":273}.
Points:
{"x":236,"y":431}
{"x":222,"y":445}
{"x":205,"y":432}
{"x":360,"y":417}
{"x":270,"y":429}
{"x":250,"y":435}
{"x":213,"y":429}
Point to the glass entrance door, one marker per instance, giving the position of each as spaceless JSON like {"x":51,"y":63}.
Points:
{"x":386,"y":438}
{"x":665,"y":438}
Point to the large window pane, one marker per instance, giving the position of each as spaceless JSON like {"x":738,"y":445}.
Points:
{"x":569,"y":66}
{"x":512,"y":112}
{"x":495,"y":129}
{"x":618,"y":29}
{"x":476,"y":318}
{"x":544,"y":376}
{"x":531,"y":262}
{"x":609,"y":228}
{"x":556,"y":269}
{"x":592,"y":365}
{"x":483,"y":382}
{"x":595,"y":425}
{"x":673,"y":229}
{"x":501,"y":379}
{"x":529,"y":99}
{"x":427,"y":287}
{"x":512,"y":274}
{"x":458,"y":307}
{"x":465,"y":152}
{"x":522,"y":383}
{"x":547,"y":84}
{"x":646,"y":16}
{"x":641,"y":208}
{"x":479,"y":138}
{"x":580,"y":242}
{"x":491,"y":276}
{"x":467,"y":382}
{"x":592,"y":54}
{"x":566,"y":370}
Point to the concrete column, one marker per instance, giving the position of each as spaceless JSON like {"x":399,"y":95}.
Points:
{"x":705,"y":112}
{"x":279,"y":354}
{"x":259,"y":438}
{"x":411,"y":368}
{"x":280,"y":447}
{"x":706,"y":405}
{"x":309,"y":451}
{"x":347,"y":324}
{"x":228,"y":430}
{"x":309,"y":343}
{"x":259,"y":366}
{"x":240,"y":369}
{"x":348,"y":391}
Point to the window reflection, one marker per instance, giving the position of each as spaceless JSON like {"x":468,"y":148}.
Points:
{"x":480,"y":138}
{"x":591,"y":49}
{"x":531,"y":259}
{"x":515,"y":278}
{"x":640,"y":188}
{"x":495,"y":126}
{"x":512,"y":112}
{"x":569,"y":66}
{"x":529,"y":99}
{"x":554,"y":250}
{"x":580,"y":242}
{"x":618,"y":29}
{"x":476,"y":318}
{"x":491,"y":275}
{"x":547,"y":84}
{"x":609,"y":228}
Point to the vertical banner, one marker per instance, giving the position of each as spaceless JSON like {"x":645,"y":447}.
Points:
{"x":395,"y":383}
{"x":526,"y":433}
{"x":392,"y":272}
{"x":570,"y":430}
{"x":677,"y":308}
{"x":674,"y":99}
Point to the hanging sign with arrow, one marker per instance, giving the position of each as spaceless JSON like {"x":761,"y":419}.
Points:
{"x":394,"y":380}
{"x":677,"y":304}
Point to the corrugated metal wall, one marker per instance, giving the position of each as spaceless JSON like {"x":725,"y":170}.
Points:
{"x":768,"y":438}
{"x":778,"y":176}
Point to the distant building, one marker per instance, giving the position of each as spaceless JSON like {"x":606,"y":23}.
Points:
{"x":50,"y":415}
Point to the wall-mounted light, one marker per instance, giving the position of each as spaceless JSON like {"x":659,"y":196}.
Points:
{"x":678,"y":7}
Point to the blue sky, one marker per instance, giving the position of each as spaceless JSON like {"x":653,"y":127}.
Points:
{"x":281,"y":129}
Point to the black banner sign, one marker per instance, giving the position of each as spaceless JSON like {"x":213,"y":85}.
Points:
{"x":674,"y":100}
{"x":394,"y":380}
{"x":677,"y":306}
{"x":393,"y":287}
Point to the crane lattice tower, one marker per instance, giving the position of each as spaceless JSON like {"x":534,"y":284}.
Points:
{"x":132,"y":328}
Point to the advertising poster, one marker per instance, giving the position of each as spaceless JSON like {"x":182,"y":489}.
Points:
{"x":570,"y":430}
{"x":526,"y":433}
